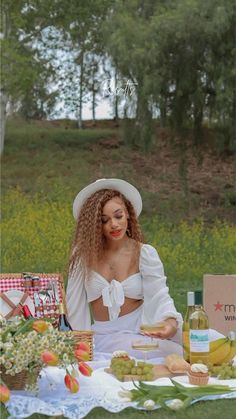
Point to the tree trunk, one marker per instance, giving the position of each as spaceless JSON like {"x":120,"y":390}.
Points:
{"x":94,"y":105}
{"x":198,"y":117}
{"x":6,"y":31}
{"x":116,"y":100}
{"x":3,"y":105}
{"x":233,"y":133}
{"x":163,"y":111}
{"x":81,"y":90}
{"x":143,"y":122}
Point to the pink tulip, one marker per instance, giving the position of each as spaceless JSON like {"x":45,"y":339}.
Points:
{"x":71,"y":383}
{"x":84,"y":346}
{"x":4,"y":393}
{"x":85,"y":369}
{"x":81,"y":355}
{"x":40,"y":326}
{"x":50,"y":358}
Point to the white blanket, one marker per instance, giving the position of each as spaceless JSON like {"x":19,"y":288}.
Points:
{"x":99,"y":390}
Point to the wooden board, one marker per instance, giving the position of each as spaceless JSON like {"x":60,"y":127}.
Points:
{"x":159,"y":371}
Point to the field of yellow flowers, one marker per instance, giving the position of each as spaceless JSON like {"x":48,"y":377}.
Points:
{"x":37,"y":236}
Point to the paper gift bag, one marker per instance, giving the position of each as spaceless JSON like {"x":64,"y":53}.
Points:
{"x":219,"y":298}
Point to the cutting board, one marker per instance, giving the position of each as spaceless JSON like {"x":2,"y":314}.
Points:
{"x":159,"y":370}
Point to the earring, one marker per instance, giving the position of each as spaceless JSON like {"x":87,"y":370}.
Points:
{"x":128,"y":232}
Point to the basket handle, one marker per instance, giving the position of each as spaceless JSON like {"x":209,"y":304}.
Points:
{"x":16,"y":309}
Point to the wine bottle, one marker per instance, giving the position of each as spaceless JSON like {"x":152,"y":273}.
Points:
{"x":199,"y":332}
{"x":185,"y":329}
{"x":26,"y":312}
{"x":63,"y":324}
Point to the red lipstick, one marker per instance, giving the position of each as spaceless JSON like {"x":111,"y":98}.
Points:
{"x":116,"y":233}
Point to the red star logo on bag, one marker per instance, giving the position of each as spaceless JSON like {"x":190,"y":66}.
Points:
{"x":218,"y":306}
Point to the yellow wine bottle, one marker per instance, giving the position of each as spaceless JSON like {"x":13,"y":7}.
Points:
{"x":185,"y":329}
{"x":199,"y":332}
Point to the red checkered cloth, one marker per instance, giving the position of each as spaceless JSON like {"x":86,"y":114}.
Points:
{"x":17,"y":282}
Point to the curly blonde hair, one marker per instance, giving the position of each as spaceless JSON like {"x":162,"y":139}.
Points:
{"x":88,"y":243}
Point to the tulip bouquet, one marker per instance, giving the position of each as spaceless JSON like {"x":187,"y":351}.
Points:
{"x":30,"y":345}
{"x":174,"y":397}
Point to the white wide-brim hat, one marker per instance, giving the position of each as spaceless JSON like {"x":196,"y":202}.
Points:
{"x":128,"y":190}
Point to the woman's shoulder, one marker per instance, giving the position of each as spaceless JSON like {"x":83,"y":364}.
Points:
{"x":148,"y":255}
{"x":146,"y":248}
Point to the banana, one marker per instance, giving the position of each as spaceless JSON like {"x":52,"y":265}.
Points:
{"x":215,"y":344}
{"x":220,"y":353}
{"x":231,"y":354}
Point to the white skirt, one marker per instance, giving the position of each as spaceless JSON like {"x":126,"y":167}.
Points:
{"x":121,"y":333}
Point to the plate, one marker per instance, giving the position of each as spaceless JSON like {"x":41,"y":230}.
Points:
{"x":15,"y":296}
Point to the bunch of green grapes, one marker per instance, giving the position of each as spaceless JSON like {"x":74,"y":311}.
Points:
{"x":121,"y":367}
{"x":223,"y":372}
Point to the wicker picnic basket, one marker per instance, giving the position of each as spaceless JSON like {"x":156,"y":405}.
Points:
{"x":84,"y":336}
{"x":16,"y":281}
{"x":19,"y":380}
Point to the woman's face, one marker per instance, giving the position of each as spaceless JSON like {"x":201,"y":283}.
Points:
{"x":114,"y":219}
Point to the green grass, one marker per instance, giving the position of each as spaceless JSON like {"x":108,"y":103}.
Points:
{"x":216,"y":409}
{"x":44,"y":168}
{"x":39,"y":158}
{"x":201,"y":410}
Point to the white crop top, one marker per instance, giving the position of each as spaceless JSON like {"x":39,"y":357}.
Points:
{"x":113,"y":293}
{"x":148,"y":284}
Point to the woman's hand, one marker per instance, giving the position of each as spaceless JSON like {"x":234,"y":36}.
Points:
{"x":168,"y":330}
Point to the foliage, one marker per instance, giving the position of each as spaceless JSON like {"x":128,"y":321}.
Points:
{"x":180,"y":56}
{"x":22,"y":63}
{"x":189,"y":251}
{"x":43,"y":234}
{"x":174,"y":397}
{"x":174,"y":50}
{"x":25,"y":74}
{"x":37,"y":235}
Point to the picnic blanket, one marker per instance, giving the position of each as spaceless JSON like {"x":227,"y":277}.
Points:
{"x":99,"y":390}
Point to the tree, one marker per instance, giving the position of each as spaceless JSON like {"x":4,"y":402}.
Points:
{"x":22,"y":63}
{"x":127,"y":34}
{"x":81,"y":23}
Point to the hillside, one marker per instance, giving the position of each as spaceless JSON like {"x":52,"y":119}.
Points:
{"x":45,"y":155}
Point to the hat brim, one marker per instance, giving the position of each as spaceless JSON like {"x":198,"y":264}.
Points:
{"x":128,"y":190}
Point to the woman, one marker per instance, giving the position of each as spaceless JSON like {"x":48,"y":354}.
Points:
{"x":122,"y":278}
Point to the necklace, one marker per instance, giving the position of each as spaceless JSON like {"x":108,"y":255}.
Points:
{"x":112,"y":265}
{"x":112,"y":268}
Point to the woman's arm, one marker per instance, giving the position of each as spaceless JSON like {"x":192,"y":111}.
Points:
{"x":77,"y":304}
{"x":158,"y":305}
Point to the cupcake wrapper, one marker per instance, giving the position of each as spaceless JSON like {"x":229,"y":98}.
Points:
{"x":198,"y":381}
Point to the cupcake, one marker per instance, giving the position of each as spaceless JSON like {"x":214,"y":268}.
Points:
{"x":121,"y":355}
{"x":198,"y":374}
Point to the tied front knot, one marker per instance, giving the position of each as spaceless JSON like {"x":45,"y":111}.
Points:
{"x":113,"y":297}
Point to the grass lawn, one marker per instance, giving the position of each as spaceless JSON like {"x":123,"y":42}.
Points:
{"x":43,"y":169}
{"x":216,"y":409}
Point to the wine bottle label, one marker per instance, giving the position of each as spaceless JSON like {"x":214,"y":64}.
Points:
{"x":199,"y":340}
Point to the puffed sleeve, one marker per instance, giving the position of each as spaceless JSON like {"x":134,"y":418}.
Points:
{"x":158,"y":305}
{"x":77,"y":304}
